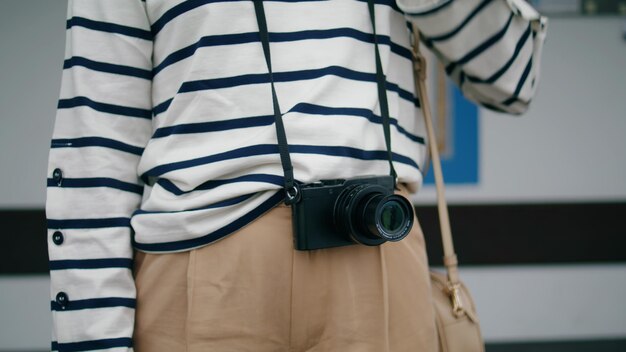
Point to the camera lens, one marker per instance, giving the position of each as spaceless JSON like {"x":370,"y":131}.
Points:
{"x":370,"y":215}
{"x":390,"y":217}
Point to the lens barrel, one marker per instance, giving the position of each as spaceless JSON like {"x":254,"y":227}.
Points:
{"x":370,"y":215}
{"x":390,"y":217}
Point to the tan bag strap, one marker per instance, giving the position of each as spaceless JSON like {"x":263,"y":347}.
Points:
{"x":449,"y":256}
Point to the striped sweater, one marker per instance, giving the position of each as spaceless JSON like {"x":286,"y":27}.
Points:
{"x":164,"y":138}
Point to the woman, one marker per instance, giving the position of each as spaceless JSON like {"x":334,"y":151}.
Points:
{"x":165,"y":146}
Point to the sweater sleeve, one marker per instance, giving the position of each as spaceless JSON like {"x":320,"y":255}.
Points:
{"x":490,"y":48}
{"x":102,"y":124}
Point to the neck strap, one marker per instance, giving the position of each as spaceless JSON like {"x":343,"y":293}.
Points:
{"x":381,"y":81}
{"x":292,"y":191}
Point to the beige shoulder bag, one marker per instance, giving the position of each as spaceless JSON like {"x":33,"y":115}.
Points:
{"x":457,"y":322}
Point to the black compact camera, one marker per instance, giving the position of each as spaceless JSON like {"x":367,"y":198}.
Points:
{"x":362,"y":210}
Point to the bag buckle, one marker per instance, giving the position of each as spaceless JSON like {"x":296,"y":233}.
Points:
{"x":457,"y":304}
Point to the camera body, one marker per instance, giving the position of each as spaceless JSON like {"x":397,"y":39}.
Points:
{"x":364,"y":210}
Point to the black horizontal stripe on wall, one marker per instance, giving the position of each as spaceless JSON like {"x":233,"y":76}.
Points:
{"x":530,"y":233}
{"x":483,"y":235}
{"x":599,"y":345}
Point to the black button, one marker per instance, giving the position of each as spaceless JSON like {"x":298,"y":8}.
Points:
{"x":62,"y":300}
{"x":57,"y":237}
{"x":57,"y":175}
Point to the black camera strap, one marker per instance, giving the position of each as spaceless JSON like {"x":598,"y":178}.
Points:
{"x":292,"y":190}
{"x":381,"y":81}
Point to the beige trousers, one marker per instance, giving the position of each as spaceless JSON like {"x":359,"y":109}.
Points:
{"x":253,"y":292}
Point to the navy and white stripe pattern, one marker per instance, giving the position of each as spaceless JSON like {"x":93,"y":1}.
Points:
{"x":164,"y":136}
{"x":499,"y":70}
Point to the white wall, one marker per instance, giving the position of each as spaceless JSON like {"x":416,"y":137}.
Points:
{"x":25,"y":319}
{"x":576,"y":126}
{"x":32,"y":37}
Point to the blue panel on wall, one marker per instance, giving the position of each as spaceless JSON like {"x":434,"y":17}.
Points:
{"x":460,"y":164}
